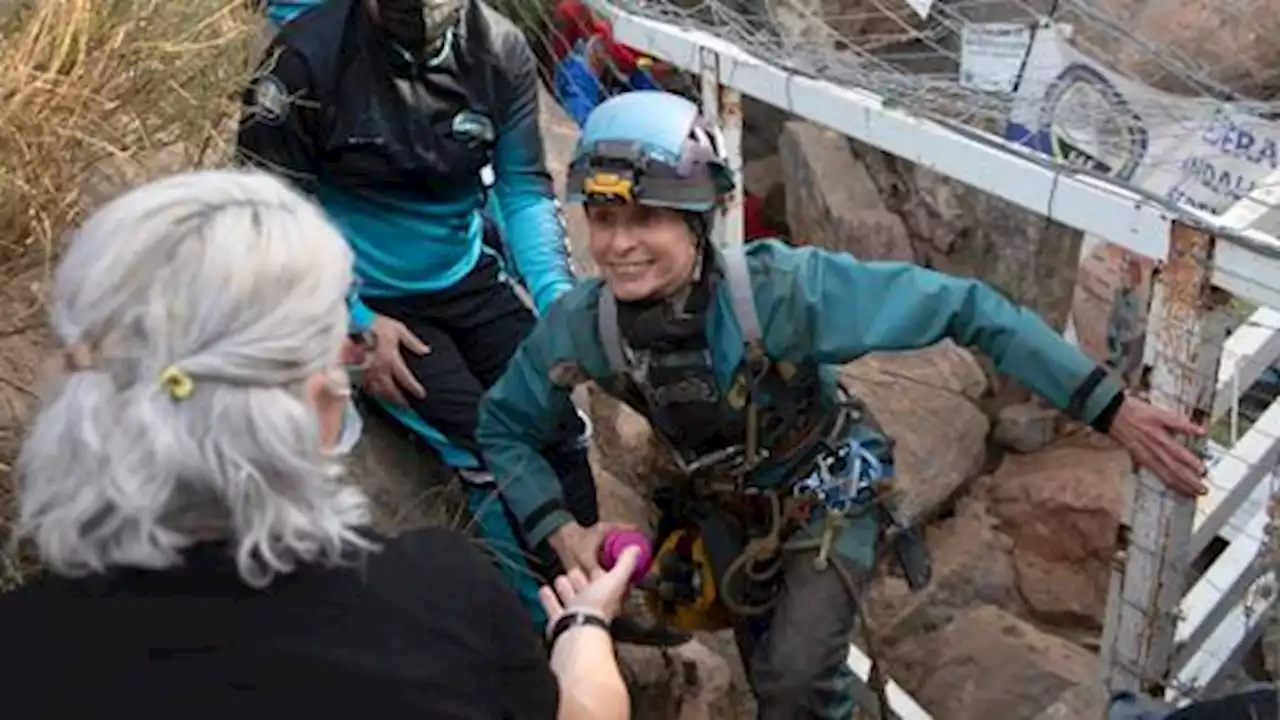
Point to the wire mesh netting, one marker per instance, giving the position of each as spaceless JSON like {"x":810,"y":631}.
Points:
{"x":1178,"y":99}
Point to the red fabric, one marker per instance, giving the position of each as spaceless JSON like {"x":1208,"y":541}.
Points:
{"x":624,"y":56}
{"x":573,"y":21}
{"x":570,"y":22}
{"x":755,"y":226}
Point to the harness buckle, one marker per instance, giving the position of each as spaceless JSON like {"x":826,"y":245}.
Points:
{"x":844,"y":477}
{"x":718,"y":472}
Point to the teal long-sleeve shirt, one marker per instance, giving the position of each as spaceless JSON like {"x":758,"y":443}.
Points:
{"x":816,"y":308}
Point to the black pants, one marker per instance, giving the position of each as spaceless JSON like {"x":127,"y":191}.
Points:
{"x":795,"y":655}
{"x":473,"y":329}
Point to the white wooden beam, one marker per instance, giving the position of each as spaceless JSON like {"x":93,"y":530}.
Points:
{"x":1236,"y":482}
{"x":1219,"y":591}
{"x":1250,"y":350}
{"x":725,"y":105}
{"x":1260,"y":210}
{"x":1248,"y":266}
{"x":1224,"y":620}
{"x":900,"y":702}
{"x":1152,"y":559}
{"x":1247,"y":262}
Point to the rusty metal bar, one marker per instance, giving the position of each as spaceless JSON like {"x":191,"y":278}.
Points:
{"x":732,"y":221}
{"x":1149,"y":571}
{"x":724,"y":105}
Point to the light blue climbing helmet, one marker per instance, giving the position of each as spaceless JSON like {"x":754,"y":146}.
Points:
{"x":651,"y":148}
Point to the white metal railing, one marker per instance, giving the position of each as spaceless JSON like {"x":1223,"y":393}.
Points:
{"x":1153,"y":631}
{"x":1221,"y":615}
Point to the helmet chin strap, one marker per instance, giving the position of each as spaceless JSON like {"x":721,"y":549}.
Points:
{"x":678,"y":301}
{"x":700,"y":225}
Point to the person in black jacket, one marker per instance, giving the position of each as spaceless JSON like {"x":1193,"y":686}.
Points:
{"x":414,"y":123}
{"x":1262,"y":700}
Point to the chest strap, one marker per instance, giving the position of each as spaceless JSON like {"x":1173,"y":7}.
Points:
{"x":732,"y":263}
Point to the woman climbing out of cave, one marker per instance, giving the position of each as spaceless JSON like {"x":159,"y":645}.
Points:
{"x":731,"y":355}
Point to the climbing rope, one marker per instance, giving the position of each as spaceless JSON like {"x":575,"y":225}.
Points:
{"x":767,"y":552}
{"x":853,"y":485}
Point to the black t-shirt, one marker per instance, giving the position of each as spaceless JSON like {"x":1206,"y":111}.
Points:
{"x":424,"y":629}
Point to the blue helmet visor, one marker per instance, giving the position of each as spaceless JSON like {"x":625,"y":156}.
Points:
{"x":621,"y":172}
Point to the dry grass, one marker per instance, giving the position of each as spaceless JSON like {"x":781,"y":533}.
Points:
{"x":95,"y":95}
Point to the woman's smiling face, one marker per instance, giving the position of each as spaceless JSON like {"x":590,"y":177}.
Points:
{"x":643,"y":252}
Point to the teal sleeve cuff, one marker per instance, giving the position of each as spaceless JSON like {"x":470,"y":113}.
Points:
{"x":552,"y":522}
{"x":1101,"y":398}
{"x":361,"y":316}
{"x":550,"y":294}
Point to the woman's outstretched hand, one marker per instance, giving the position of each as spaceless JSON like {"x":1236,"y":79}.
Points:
{"x":1150,"y":434}
{"x":601,"y":594}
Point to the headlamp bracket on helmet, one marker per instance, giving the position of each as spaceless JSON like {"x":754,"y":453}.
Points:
{"x":614,"y":172}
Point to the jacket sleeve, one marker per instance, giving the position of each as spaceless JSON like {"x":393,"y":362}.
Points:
{"x":526,"y":196}
{"x":518,"y":417}
{"x":279,"y":125}
{"x":843,"y":309}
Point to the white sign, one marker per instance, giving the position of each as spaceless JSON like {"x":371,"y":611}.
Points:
{"x":921,"y":7}
{"x":991,"y":54}
{"x":1195,"y":151}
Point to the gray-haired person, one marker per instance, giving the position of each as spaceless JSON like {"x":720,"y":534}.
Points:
{"x":205,"y":556}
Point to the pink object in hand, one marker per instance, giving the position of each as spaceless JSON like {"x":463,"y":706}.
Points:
{"x":617,"y":541}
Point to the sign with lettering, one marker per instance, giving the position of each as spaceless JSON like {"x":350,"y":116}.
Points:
{"x":1196,"y":152}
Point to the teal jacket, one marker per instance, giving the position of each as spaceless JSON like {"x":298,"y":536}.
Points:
{"x":816,"y":308}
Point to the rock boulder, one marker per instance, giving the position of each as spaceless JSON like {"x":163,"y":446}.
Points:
{"x":831,"y":199}
{"x":1062,"y":508}
{"x":972,"y":565}
{"x":846,"y":196}
{"x":1026,"y":427}
{"x":407,"y":483}
{"x":925,"y":400}
{"x":987,"y":663}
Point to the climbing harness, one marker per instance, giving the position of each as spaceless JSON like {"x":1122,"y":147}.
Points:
{"x":710,"y":570}
{"x":846,"y":476}
{"x":735,"y":461}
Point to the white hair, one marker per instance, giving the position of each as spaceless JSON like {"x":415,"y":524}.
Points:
{"x":239,"y":283}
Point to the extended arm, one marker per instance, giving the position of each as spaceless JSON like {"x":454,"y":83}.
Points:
{"x":849,"y":308}
{"x":526,"y":196}
{"x":517,"y":418}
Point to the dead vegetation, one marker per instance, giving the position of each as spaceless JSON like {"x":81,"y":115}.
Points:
{"x":95,"y":95}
